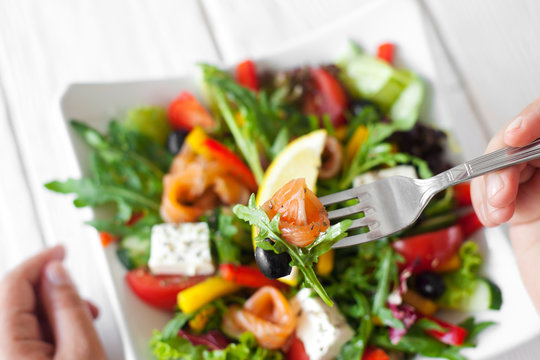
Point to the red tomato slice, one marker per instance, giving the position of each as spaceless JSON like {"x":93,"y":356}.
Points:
{"x":424,"y":252}
{"x":185,"y":112}
{"x":159,"y":290}
{"x":246,"y":75}
{"x":375,"y":354}
{"x":329,"y":98}
{"x":297,"y":350}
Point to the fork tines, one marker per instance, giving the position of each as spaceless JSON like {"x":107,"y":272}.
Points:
{"x":361,"y":207}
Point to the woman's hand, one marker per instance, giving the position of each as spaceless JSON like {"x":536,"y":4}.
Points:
{"x":42,"y":315}
{"x":513,"y":195}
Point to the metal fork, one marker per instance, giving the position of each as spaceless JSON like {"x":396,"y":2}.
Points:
{"x":390,"y":205}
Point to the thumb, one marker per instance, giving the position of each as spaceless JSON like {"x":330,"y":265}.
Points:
{"x":69,"y":316}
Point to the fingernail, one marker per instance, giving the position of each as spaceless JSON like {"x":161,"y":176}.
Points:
{"x":57,"y":274}
{"x":494,"y":184}
{"x":515,"y":124}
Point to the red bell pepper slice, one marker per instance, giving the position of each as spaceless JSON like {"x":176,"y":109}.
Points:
{"x":232,"y":162}
{"x":385,"y":52}
{"x":106,"y":238}
{"x":186,"y":112}
{"x":425,"y":252}
{"x":462,"y":194}
{"x":372,"y":353}
{"x":246,"y":75}
{"x":454,"y":335}
{"x":296,"y":350}
{"x":213,"y":339}
{"x":469,"y":224}
{"x":247,"y":276}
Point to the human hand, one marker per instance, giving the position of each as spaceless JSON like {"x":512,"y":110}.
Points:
{"x":42,"y":315}
{"x":513,"y":195}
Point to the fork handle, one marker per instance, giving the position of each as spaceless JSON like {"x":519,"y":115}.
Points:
{"x":484,"y":164}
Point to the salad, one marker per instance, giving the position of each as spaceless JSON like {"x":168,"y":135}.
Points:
{"x":214,"y":212}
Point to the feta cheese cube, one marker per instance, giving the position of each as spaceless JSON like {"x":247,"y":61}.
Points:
{"x":371,"y":176}
{"x":182,"y":249}
{"x":321,"y":328}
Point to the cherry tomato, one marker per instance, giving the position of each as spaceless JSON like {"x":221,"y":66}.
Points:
{"x":329,"y":97}
{"x":424,"y":252}
{"x":185,"y":112}
{"x":375,"y":354}
{"x":297,"y":350}
{"x":159,"y":290}
{"x":246,"y":75}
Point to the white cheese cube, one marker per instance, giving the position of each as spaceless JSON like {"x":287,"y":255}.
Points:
{"x":321,"y":328}
{"x":371,"y":176}
{"x":182,"y":249}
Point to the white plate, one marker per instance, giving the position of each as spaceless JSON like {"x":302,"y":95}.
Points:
{"x":400,"y":22}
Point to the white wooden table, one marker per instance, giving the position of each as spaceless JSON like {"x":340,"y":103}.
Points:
{"x":45,"y":45}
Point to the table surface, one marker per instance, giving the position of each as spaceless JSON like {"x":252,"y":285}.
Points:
{"x":44,"y":46}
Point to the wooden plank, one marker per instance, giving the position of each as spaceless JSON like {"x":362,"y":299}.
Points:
{"x":43,"y":48}
{"x":250,"y":28}
{"x":495,"y":46}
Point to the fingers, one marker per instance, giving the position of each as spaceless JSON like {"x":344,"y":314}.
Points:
{"x":525,"y":127}
{"x":69,"y":316}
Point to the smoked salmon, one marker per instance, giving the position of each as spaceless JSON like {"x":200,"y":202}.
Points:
{"x":196,"y":184}
{"x":303,"y":216}
{"x":267,"y":315}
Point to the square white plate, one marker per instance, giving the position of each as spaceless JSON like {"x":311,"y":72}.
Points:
{"x":399,"y":22}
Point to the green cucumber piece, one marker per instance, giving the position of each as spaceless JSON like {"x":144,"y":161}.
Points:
{"x":366,"y":76}
{"x":405,"y":110}
{"x":486,"y":296}
{"x":151,"y":121}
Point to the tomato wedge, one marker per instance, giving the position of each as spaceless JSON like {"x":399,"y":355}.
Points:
{"x":246,"y":75}
{"x":426,"y":251}
{"x":106,"y":238}
{"x":186,"y":112}
{"x":297,"y":350}
{"x":159,"y":290}
{"x":303,"y":217}
{"x":268,"y":315}
{"x":328,"y":98}
{"x":247,"y":276}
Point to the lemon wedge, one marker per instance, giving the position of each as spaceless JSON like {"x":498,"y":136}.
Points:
{"x":299,"y":159}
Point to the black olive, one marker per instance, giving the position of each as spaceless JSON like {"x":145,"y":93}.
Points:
{"x":358,"y":105}
{"x":175,"y":140}
{"x":430,"y":285}
{"x":273,"y":265}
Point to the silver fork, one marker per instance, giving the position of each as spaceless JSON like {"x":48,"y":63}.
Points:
{"x":390,"y":205}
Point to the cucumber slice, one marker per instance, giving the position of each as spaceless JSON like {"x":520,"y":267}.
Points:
{"x":486,"y":296}
{"x":405,"y":110}
{"x":366,"y":76}
{"x":150,"y":121}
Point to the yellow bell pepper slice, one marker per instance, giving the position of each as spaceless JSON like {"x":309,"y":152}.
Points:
{"x":451,"y":264}
{"x":360,"y":135}
{"x":420,"y":303}
{"x":195,"y":297}
{"x":325,"y":265}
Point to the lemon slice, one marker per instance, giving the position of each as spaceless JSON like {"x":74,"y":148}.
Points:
{"x":299,"y":159}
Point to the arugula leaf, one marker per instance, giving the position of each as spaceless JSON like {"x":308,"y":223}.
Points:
{"x":473,"y":329}
{"x":175,"y":324}
{"x":303,"y":258}
{"x":354,"y":349}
